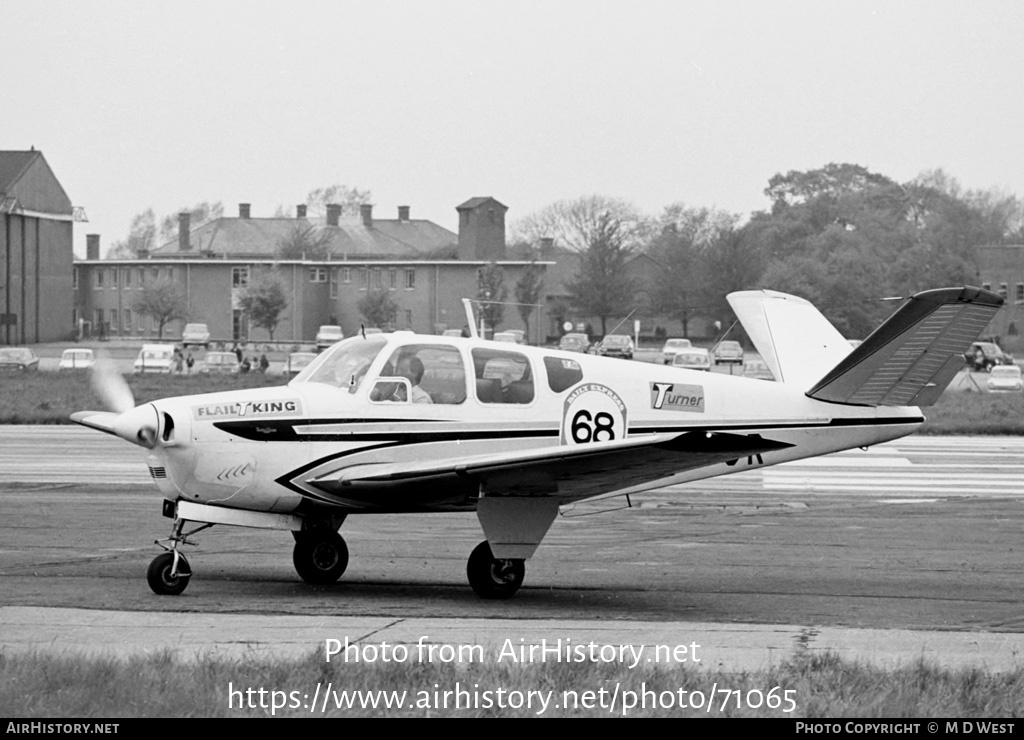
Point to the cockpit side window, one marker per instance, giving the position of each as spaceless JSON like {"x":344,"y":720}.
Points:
{"x":563,"y":374}
{"x":435,"y":373}
{"x":502,"y":377}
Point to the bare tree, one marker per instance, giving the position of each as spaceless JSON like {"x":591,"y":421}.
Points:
{"x":306,"y":243}
{"x":348,"y":198}
{"x":263,"y":300}
{"x":163,"y":301}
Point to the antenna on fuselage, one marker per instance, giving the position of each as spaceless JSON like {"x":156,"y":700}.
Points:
{"x":470,"y":321}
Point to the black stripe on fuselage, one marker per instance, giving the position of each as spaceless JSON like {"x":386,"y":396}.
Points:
{"x":394,"y":439}
{"x":284,"y":430}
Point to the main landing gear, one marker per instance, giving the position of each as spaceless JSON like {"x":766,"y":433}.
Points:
{"x":320,"y":556}
{"x":491,"y":577}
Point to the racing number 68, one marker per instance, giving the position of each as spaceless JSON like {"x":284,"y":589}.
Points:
{"x":599,"y":428}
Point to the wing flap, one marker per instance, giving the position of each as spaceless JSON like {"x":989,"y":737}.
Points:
{"x":911,"y":358}
{"x":569,"y":473}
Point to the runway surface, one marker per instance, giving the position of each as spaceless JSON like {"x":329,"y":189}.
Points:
{"x":905,"y":550}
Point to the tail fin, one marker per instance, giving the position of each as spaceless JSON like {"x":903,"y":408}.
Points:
{"x":911,"y":358}
{"x":797,"y":343}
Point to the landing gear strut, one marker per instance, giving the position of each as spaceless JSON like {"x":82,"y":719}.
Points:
{"x":169,"y":572}
{"x":320,"y":556}
{"x":491,"y":577}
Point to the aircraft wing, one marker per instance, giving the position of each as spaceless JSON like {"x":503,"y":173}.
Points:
{"x":100,"y":420}
{"x":569,"y":473}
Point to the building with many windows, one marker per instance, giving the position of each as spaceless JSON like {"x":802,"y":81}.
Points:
{"x":424,"y":268}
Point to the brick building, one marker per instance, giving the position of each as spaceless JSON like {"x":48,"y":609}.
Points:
{"x":425,"y":268}
{"x":1001,"y":270}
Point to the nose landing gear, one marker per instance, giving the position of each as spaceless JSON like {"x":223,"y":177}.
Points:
{"x":169,"y":573}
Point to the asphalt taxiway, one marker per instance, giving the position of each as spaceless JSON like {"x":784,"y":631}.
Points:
{"x":908,"y":550}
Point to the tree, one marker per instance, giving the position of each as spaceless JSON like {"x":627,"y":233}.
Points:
{"x":263,"y":300}
{"x":378,"y":308}
{"x":686,"y":247}
{"x":348,"y":198}
{"x":163,"y":301}
{"x":606,"y":232}
{"x":527,"y":291}
{"x":306,"y":243}
{"x":602,"y":287}
{"x":143,"y":234}
{"x":141,"y":237}
{"x":491,"y":294}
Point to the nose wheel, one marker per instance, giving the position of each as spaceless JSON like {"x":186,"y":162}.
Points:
{"x":491,"y":577}
{"x":170,"y":572}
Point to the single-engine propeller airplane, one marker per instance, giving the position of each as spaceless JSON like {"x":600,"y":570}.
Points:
{"x":402,"y":422}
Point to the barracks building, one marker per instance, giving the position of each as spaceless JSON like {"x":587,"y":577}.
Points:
{"x":425,"y":268}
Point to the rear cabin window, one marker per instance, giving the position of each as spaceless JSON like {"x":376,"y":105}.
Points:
{"x":443,"y":378}
{"x":502,"y":377}
{"x":563,"y":374}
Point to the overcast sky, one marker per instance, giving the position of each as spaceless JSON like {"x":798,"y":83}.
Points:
{"x":429,"y":103}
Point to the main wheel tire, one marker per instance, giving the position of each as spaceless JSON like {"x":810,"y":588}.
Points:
{"x":320,"y":558}
{"x":160,"y":578}
{"x":492,"y":578}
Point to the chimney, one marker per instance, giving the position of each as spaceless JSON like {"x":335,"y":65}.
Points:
{"x":184,"y":226}
{"x":243,"y":210}
{"x":300,"y":210}
{"x":366,"y":211}
{"x":92,"y":246}
{"x":333,"y":214}
{"x":403,"y":213}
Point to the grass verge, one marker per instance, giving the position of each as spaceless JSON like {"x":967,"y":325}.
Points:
{"x":161,"y":685}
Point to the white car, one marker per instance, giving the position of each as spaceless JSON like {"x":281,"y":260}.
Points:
{"x":506,"y":336}
{"x":671,"y":347}
{"x":695,"y":358}
{"x":328,"y":335}
{"x":195,"y":335}
{"x":155,"y":358}
{"x":76,"y":359}
{"x":297,"y":362}
{"x":1005,"y":378}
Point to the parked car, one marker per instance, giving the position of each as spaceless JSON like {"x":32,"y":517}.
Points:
{"x":195,"y":335}
{"x":452,"y":333}
{"x":328,"y":335}
{"x":519,"y":334}
{"x":757,"y":369}
{"x":77,"y":358}
{"x":297,"y":362}
{"x":506,"y":336}
{"x":694,"y":358}
{"x":574,"y":343}
{"x":1005,"y":378}
{"x":19,"y":359}
{"x":616,"y":345}
{"x":155,"y":358}
{"x":983,"y":356}
{"x":220,"y":363}
{"x":671,"y":347}
{"x":728,"y":352}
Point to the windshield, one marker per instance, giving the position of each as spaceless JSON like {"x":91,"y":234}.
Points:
{"x":15,"y":354}
{"x":345,"y":364}
{"x":616,"y":339}
{"x":1007,"y":371}
{"x":677,"y":343}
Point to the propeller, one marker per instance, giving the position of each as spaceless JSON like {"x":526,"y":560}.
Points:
{"x":135,"y":424}
{"x":110,"y":386}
